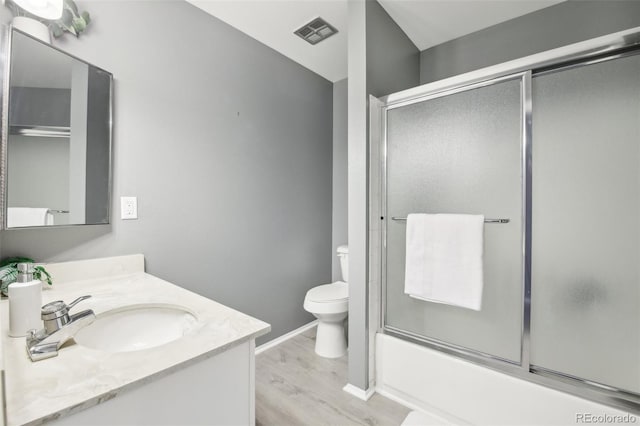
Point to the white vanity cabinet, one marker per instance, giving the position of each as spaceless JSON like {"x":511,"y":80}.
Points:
{"x":215,"y":391}
{"x":204,"y":376}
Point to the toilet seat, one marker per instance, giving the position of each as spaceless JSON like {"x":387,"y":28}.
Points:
{"x":328,"y":298}
{"x":329,"y":292}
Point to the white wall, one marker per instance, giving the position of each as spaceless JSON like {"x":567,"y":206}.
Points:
{"x":357,"y":187}
{"x":382,"y":60}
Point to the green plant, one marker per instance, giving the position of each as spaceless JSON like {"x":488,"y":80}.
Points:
{"x":9,"y":272}
{"x":72,"y":20}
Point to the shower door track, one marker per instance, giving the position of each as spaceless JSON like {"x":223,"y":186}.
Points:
{"x":605,"y":48}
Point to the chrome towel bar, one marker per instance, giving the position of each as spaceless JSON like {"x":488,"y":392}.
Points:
{"x":404,"y":219}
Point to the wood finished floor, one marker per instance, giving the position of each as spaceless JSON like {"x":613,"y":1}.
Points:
{"x":294,"y":386}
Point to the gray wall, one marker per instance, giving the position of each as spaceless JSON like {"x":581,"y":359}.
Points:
{"x":40,"y":106}
{"x":559,"y":25}
{"x":393,"y":61}
{"x":382,"y":60}
{"x":228,"y":147}
{"x":339,"y":234}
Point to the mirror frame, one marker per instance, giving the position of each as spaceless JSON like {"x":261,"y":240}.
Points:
{"x":6,"y":37}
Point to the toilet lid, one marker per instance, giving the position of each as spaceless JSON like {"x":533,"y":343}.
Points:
{"x":329,"y":292}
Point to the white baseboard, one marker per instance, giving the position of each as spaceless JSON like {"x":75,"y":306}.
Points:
{"x":275,"y":342}
{"x":359,"y":393}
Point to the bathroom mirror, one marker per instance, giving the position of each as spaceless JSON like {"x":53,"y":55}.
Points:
{"x":57,"y":143}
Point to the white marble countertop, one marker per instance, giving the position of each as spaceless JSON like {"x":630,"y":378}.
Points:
{"x":79,"y":377}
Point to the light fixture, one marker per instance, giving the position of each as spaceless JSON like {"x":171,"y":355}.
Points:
{"x":316,"y":31}
{"x":45,"y":9}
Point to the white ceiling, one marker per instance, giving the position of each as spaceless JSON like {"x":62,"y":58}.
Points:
{"x":273,"y":22}
{"x":426,"y":22}
{"x":431,"y":22}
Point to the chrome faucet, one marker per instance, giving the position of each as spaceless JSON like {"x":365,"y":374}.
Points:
{"x":59,"y":327}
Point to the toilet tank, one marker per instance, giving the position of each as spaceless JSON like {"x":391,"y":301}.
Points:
{"x":343,"y":254}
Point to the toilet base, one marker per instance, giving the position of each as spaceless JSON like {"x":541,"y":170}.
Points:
{"x":330,"y":339}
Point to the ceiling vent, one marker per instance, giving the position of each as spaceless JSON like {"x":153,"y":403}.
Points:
{"x":316,"y":31}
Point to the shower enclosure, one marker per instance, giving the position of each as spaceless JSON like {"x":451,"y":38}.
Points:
{"x":551,"y":146}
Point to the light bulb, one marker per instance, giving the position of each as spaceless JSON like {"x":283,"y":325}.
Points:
{"x":37,"y":4}
{"x":45,"y":9}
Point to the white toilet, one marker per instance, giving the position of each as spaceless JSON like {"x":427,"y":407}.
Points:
{"x":330,"y":304}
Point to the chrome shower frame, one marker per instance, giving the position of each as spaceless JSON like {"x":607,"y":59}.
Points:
{"x":589,"y":52}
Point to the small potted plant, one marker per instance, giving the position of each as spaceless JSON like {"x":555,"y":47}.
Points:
{"x":9,"y":272}
{"x":72,"y":20}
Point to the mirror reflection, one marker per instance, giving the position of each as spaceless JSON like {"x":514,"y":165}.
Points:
{"x":59,"y":138}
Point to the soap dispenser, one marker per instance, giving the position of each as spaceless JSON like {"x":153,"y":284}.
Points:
{"x":25,"y":301}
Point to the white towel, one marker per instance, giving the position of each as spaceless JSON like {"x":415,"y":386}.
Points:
{"x":444,"y":259}
{"x":27,"y":216}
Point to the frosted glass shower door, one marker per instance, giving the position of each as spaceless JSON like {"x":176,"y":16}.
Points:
{"x":460,"y":153}
{"x":585,"y":318}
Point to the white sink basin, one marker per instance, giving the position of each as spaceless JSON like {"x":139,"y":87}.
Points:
{"x":136,"y":327}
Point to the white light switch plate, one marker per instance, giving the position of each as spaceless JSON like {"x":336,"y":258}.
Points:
{"x":128,"y":208}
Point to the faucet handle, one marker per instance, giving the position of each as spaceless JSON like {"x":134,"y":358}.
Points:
{"x":56,"y":314}
{"x":78,"y":300}
{"x":59,"y":308}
